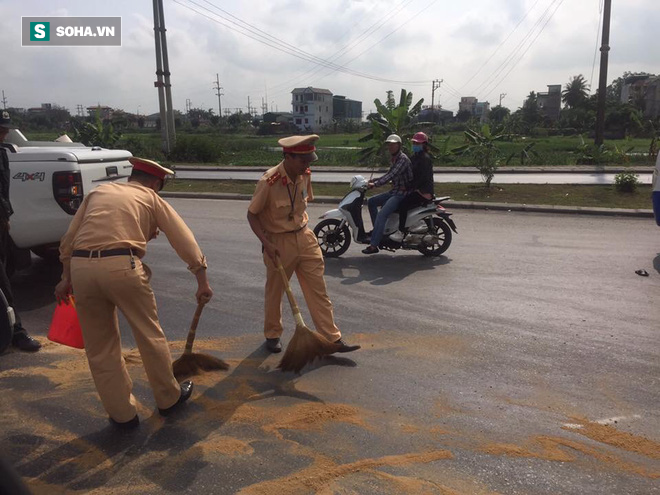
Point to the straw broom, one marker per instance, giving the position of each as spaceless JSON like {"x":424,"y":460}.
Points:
{"x":192,"y":363}
{"x":305,"y":346}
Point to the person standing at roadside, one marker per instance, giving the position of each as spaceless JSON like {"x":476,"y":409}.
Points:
{"x":278,"y":216}
{"x":20,"y":337}
{"x":400,"y":174}
{"x":101,"y":254}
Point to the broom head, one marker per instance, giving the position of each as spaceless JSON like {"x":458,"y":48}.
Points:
{"x":193,"y":363}
{"x":305,"y":346}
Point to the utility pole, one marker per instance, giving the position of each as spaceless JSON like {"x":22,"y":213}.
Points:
{"x":434,"y":85}
{"x":163,"y":84}
{"x":602,"y":85}
{"x":4,"y":100}
{"x":502,"y":95}
{"x":217,"y":87}
{"x":249,"y":108}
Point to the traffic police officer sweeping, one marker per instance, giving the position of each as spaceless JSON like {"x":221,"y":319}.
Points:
{"x":101,"y":255}
{"x":278,"y":216}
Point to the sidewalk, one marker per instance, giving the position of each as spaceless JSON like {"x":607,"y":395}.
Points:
{"x":541,"y":169}
{"x":576,"y":210}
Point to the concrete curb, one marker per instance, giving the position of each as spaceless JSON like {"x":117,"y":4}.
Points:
{"x":559,"y":169}
{"x":575,"y":210}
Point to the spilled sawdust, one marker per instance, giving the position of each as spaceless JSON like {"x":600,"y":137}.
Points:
{"x":409,"y":429}
{"x":224,"y":445}
{"x":609,"y":435}
{"x":315,"y":415}
{"x":426,"y":346}
{"x":323,"y":471}
{"x":549,"y":448}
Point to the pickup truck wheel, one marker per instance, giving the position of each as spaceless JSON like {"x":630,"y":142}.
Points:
{"x":50,"y":254}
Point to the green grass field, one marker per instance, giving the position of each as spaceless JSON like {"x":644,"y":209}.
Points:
{"x":531,"y":194}
{"x":247,"y":150}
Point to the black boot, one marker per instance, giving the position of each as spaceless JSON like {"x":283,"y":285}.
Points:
{"x":23,"y":341}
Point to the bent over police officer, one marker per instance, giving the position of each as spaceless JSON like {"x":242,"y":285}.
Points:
{"x":101,"y":255}
{"x":278,"y":216}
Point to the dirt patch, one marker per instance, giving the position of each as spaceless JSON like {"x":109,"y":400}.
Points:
{"x":224,"y":445}
{"x":609,"y":435}
{"x":324,"y":471}
{"x":314,"y":415}
{"x":550,"y":449}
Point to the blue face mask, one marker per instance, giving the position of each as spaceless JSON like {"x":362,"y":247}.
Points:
{"x":417,"y":148}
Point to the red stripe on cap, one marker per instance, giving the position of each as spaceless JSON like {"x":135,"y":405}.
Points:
{"x":144,"y":167}
{"x":303,"y":148}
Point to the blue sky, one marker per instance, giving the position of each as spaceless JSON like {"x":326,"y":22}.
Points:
{"x":478,"y":48}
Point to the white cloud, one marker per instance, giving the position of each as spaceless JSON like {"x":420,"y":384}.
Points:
{"x":413,"y":40}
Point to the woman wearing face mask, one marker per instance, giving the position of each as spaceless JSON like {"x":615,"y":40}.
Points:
{"x":422,"y":166}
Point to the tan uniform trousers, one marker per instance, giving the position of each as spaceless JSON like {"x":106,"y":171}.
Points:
{"x":299,"y":253}
{"x":101,"y":286}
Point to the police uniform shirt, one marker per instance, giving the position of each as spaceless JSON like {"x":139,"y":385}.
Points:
{"x":280,"y":203}
{"x":128,"y":215}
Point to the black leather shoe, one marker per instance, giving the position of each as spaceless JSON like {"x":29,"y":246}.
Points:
{"x":25,"y":343}
{"x":345,"y":347}
{"x":186,"y":392}
{"x":127,"y":425}
{"x":370,"y":250}
{"x":274,"y":345}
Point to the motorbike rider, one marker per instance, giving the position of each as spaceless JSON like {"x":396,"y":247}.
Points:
{"x":422,"y":167}
{"x":400,"y":173}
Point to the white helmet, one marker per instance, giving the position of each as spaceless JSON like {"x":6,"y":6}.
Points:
{"x":393,"y":138}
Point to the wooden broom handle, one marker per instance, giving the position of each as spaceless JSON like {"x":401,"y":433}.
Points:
{"x":287,"y":287}
{"x":193,"y":326}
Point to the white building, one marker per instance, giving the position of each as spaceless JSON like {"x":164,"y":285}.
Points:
{"x":312,"y":108}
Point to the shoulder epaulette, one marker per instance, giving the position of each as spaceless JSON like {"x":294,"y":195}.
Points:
{"x":273,"y":178}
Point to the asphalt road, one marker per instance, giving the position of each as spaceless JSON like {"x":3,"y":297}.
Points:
{"x":524,"y":361}
{"x":466,"y":177}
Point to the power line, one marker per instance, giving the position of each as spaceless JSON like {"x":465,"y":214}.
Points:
{"x":501,"y":44}
{"x":528,"y":47}
{"x":487,"y":85}
{"x":593,"y":65}
{"x":286,"y":47}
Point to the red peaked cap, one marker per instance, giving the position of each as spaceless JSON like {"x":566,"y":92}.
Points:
{"x":150,"y":167}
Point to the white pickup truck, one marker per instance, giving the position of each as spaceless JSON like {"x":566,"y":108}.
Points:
{"x":48,"y":182}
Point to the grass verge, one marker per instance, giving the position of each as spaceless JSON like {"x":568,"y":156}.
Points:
{"x":533,"y":194}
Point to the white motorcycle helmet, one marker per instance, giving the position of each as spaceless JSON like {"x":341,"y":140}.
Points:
{"x":358,"y":182}
{"x":393,"y":138}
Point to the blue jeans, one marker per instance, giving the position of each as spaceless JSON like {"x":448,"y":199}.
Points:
{"x":389,"y":203}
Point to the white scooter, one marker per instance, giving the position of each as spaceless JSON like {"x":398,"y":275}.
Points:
{"x":429,"y":226}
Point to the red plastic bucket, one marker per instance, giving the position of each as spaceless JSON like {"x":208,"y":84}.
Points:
{"x":65,"y":327}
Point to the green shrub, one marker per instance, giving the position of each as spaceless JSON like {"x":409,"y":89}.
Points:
{"x":626,"y":182}
{"x":193,"y":149}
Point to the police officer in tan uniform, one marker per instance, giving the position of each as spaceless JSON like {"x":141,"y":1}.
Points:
{"x":101,"y":255}
{"x":278,"y":216}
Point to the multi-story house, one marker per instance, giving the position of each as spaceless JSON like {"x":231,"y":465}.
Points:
{"x":550,"y":103}
{"x":346,"y":109}
{"x":643,"y":91}
{"x":312,"y":108}
{"x":478,"y":109}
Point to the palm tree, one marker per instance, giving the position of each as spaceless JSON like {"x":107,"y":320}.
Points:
{"x":576,"y":92}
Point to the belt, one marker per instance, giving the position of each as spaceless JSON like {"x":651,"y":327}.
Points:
{"x":292,"y":231}
{"x":81,"y":253}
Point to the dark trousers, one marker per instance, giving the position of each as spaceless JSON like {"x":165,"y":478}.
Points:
{"x":411,"y":201}
{"x":5,"y":285}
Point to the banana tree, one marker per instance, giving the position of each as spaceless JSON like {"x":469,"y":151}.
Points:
{"x":395,"y":121}
{"x":482,"y":146}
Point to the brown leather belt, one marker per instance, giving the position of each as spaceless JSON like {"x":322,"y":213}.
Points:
{"x":81,"y":253}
